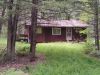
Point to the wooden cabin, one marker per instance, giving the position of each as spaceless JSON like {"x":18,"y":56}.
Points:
{"x":57,"y":31}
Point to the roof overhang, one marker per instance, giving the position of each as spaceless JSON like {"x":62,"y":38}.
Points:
{"x":60,"y":23}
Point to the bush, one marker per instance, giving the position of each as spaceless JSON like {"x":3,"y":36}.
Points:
{"x":3,"y":55}
{"x":22,"y":49}
{"x":89,"y":46}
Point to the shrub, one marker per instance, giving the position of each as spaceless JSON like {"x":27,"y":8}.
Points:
{"x":22,"y":49}
{"x":89,"y":46}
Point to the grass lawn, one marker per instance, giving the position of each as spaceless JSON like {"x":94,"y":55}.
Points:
{"x":66,"y":59}
{"x":61,"y":59}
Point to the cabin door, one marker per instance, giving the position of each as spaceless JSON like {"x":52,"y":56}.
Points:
{"x":68,"y":34}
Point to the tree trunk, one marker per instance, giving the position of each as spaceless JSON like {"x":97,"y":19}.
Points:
{"x":12,"y":28}
{"x":0,"y":27}
{"x":67,"y":16}
{"x":15,"y":22}
{"x":3,"y":13}
{"x":33,"y":30}
{"x":96,"y":25}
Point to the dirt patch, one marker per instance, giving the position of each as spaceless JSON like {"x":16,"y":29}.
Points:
{"x":21,"y":61}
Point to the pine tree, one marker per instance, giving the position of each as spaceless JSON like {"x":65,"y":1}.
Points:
{"x":33,"y":29}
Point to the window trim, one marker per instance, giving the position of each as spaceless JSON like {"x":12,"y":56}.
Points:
{"x":39,"y":29}
{"x":54,"y":33}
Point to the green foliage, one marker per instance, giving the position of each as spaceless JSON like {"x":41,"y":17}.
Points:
{"x":22,"y":49}
{"x":86,"y":17}
{"x":83,"y":31}
{"x":60,"y":59}
{"x":65,"y":59}
{"x":2,"y":48}
{"x":13,"y":72}
{"x":3,"y":32}
{"x":89,"y":46}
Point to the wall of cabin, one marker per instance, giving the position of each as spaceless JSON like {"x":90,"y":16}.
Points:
{"x":52,"y":38}
{"x":46,"y":35}
{"x":41,"y":36}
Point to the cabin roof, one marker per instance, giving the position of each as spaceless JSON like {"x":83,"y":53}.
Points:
{"x":60,"y":23}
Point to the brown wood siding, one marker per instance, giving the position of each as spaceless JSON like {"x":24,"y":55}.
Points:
{"x":47,"y":36}
{"x":53,"y":38}
{"x":41,"y":37}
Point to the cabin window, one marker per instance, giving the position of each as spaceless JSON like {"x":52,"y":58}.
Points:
{"x":39,"y":30}
{"x":56,"y":31}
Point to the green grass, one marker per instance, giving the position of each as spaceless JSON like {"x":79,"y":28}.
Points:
{"x":21,"y":47}
{"x":62,"y":59}
{"x":65,"y":59}
{"x":13,"y":72}
{"x":3,"y":43}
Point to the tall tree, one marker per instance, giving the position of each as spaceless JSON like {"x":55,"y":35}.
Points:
{"x":33,"y":29}
{"x":10,"y":30}
{"x":96,"y":10}
{"x":12,"y":27}
{"x":3,"y":13}
{"x":92,"y":8}
{"x":15,"y":22}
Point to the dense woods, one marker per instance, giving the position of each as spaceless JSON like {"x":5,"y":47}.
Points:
{"x":14,"y":12}
{"x":49,"y":37}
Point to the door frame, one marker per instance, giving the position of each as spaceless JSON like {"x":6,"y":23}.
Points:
{"x":68,"y":30}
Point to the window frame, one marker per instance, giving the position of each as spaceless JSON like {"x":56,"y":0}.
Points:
{"x":39,"y":30}
{"x":53,"y":33}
